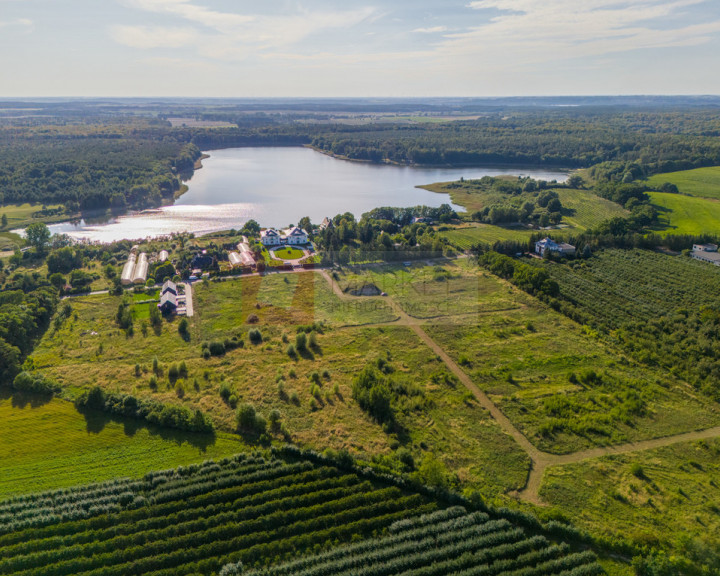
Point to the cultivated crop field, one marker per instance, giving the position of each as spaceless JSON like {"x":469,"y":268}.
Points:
{"x":254,"y":511}
{"x":701,"y":182}
{"x":468,"y":235}
{"x":48,"y":444}
{"x":617,"y":286}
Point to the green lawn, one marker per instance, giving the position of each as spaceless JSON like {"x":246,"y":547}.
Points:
{"x":49,"y":445}
{"x":667,"y":496}
{"x":19,"y":215}
{"x":681,"y":214}
{"x":701,"y":182}
{"x":288,"y":253}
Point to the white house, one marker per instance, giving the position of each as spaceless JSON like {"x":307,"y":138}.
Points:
{"x":295,"y":235}
{"x":559,"y":248}
{"x":270,"y":237}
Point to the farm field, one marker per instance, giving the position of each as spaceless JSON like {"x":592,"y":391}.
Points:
{"x":467,"y":235}
{"x":687,"y":214}
{"x":701,"y":182}
{"x":312,"y":390}
{"x":256,"y":510}
{"x":640,"y":496}
{"x":617,"y":286}
{"x":660,"y":309}
{"x":49,"y":445}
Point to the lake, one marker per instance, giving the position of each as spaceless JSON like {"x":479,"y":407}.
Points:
{"x":277,"y":187}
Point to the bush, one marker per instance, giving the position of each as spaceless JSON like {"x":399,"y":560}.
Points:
{"x":253,"y":319}
{"x":255,"y":336}
{"x":173,"y":373}
{"x":301,"y":342}
{"x":183,"y":329}
{"x":225,"y":391}
{"x":249,"y":421}
{"x":183,"y":370}
{"x":153,"y":383}
{"x":290,"y":350}
{"x":34,"y":383}
{"x":216,"y":348}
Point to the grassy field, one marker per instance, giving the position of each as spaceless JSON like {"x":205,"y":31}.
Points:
{"x":48,"y":445}
{"x":581,"y":210}
{"x":687,"y":214}
{"x":701,"y":182}
{"x":436,"y":415}
{"x":668,"y":496}
{"x":562,"y":387}
{"x":19,"y":215}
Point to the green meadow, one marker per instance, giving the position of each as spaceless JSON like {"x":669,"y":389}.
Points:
{"x":681,"y":214}
{"x":701,"y":182}
{"x":49,"y":444}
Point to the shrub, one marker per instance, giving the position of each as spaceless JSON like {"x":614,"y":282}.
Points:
{"x":180,"y":389}
{"x":183,"y":370}
{"x":206,"y":354}
{"x":153,"y":383}
{"x":315,"y":378}
{"x":255,"y":336}
{"x":183,"y":329}
{"x":326,"y":374}
{"x":34,"y":383}
{"x":294,"y":398}
{"x":301,"y":342}
{"x":225,"y":391}
{"x":274,"y":419}
{"x":253,"y":319}
{"x":138,"y":370}
{"x":173,"y":373}
{"x":290,"y":350}
{"x":216,"y":348}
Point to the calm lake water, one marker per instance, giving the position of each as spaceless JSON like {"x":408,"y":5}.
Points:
{"x":277,"y":187}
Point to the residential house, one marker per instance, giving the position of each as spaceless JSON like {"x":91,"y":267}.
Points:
{"x":295,"y":235}
{"x":168,"y":303}
{"x":557,"y":248}
{"x":270,"y":237}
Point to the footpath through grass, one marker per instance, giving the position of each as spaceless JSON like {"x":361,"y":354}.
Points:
{"x":49,"y":444}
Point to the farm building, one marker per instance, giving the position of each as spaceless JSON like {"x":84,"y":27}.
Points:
{"x":235,"y":259}
{"x":163,"y":256}
{"x":559,"y":248}
{"x":295,"y":235}
{"x":170,"y":287}
{"x":168,"y":303}
{"x":270,"y":237}
{"x":127,"y":272}
{"x":706,"y":253}
{"x":141,"y":269}
{"x":246,"y":254}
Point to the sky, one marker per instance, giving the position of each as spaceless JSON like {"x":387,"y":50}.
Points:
{"x":358,"y":48}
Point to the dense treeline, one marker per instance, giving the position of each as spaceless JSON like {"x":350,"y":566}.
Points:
{"x":90,"y":171}
{"x":26,"y":306}
{"x":167,"y":415}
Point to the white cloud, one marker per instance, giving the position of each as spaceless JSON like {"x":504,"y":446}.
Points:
{"x":16,"y":22}
{"x":153,"y":36}
{"x":432,"y":30}
{"x":528,"y":31}
{"x":230,"y":35}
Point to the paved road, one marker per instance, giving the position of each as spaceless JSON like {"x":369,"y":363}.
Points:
{"x":189,"y":310}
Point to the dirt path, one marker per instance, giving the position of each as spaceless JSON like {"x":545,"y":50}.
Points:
{"x":540,"y":460}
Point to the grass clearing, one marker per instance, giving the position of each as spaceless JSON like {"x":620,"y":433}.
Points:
{"x":700,"y":182}
{"x":435,"y":415}
{"x":48,"y":445}
{"x":686,"y":214}
{"x":668,"y":496}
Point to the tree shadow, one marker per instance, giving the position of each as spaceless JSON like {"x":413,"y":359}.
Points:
{"x":96,"y":421}
{"x":24,"y":399}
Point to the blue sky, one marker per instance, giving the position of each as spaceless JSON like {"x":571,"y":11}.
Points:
{"x":360,"y":48}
